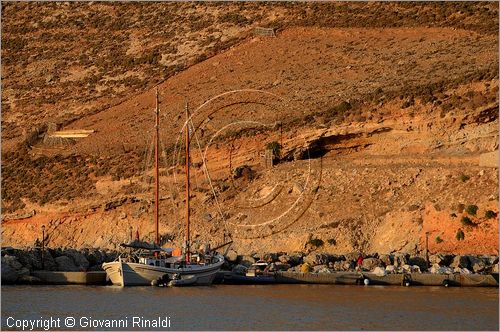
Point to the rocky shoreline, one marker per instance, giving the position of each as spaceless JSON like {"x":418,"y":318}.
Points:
{"x":18,"y":264}
{"x":378,"y":263}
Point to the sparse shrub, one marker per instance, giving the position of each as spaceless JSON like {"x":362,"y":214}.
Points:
{"x":471,"y":209}
{"x":466,"y":221}
{"x":490,"y":214}
{"x":408,"y":102}
{"x":332,"y":242}
{"x":439,"y":239}
{"x":453,"y":215}
{"x":464,"y":178}
{"x":316,"y":242}
{"x":275,"y":147}
{"x":460,"y":236}
{"x":343,"y":107}
{"x":244,"y":171}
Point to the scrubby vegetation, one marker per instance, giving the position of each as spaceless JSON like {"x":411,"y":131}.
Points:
{"x":471,"y":209}
{"x":460,"y":236}
{"x":244,"y":171}
{"x":464,"y":178}
{"x":439,"y":239}
{"x":466,"y":221}
{"x":145,"y":43}
{"x":316,"y":242}
{"x":109,"y":48}
{"x":490,"y":214}
{"x":43,"y":179}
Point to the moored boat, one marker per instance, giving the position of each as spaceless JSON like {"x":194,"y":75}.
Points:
{"x":149,"y":264}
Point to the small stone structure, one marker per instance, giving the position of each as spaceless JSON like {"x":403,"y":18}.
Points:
{"x":265,"y":32}
{"x":489,"y":159}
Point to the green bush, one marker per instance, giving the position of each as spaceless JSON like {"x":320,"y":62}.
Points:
{"x":471,"y":209}
{"x":332,"y":242}
{"x":244,"y":171}
{"x":275,"y":147}
{"x":439,"y":239}
{"x":466,"y":221}
{"x":490,"y":214}
{"x":343,"y":107}
{"x":460,"y":236}
{"x":315,"y":242}
{"x":464,"y":177}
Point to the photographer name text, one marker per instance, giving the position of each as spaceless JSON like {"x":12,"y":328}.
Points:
{"x":50,"y":323}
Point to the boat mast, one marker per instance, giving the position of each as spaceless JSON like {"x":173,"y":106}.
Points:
{"x":187,"y":183}
{"x":157,"y":180}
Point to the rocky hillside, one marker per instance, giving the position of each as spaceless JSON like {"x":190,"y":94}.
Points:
{"x":380,"y":113}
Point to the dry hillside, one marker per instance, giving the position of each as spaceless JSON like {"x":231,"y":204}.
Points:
{"x":382,"y":111}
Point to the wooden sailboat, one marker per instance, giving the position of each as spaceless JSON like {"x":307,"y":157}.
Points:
{"x":153,"y":265}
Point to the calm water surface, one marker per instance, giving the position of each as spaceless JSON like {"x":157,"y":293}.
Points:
{"x":270,"y":307}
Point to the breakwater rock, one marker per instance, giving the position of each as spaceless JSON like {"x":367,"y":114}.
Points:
{"x":19,"y":264}
{"x":381,"y":264}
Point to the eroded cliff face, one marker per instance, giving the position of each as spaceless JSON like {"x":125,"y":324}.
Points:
{"x":381,"y":134}
{"x":374,"y":186}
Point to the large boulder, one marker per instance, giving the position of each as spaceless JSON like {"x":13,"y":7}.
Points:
{"x":318,"y":268}
{"x":240,"y":269}
{"x":10,"y":268}
{"x":440,"y":259}
{"x":461,"y":270}
{"x":32,"y":260}
{"x":460,"y":262}
{"x":111,"y":256}
{"x":351,"y":257}
{"x":386,"y":259}
{"x":95,"y":257}
{"x":400,"y":260}
{"x":390,"y":269}
{"x":246,"y":260}
{"x":9,"y":274}
{"x":281,"y":266}
{"x":316,"y":259}
{"x":436,"y":268}
{"x":78,"y":258}
{"x":418,"y":261}
{"x":476,"y":264}
{"x":370,"y":263}
{"x":64,"y":263}
{"x":270,"y":257}
{"x":379,"y":271}
{"x":12,"y":261}
{"x":338,"y":266}
{"x":231,"y":256}
{"x":348,"y":265}
{"x":293,"y":259}
{"x":406,"y":268}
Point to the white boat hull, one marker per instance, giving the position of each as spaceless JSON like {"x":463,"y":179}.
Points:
{"x":136,"y":274}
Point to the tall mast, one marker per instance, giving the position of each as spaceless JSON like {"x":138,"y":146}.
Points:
{"x":157,"y":180}
{"x":187,"y":183}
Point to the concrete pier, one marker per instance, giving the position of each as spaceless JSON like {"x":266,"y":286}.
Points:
{"x":336,"y":278}
{"x":413,"y":279}
{"x":71,"y":278}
